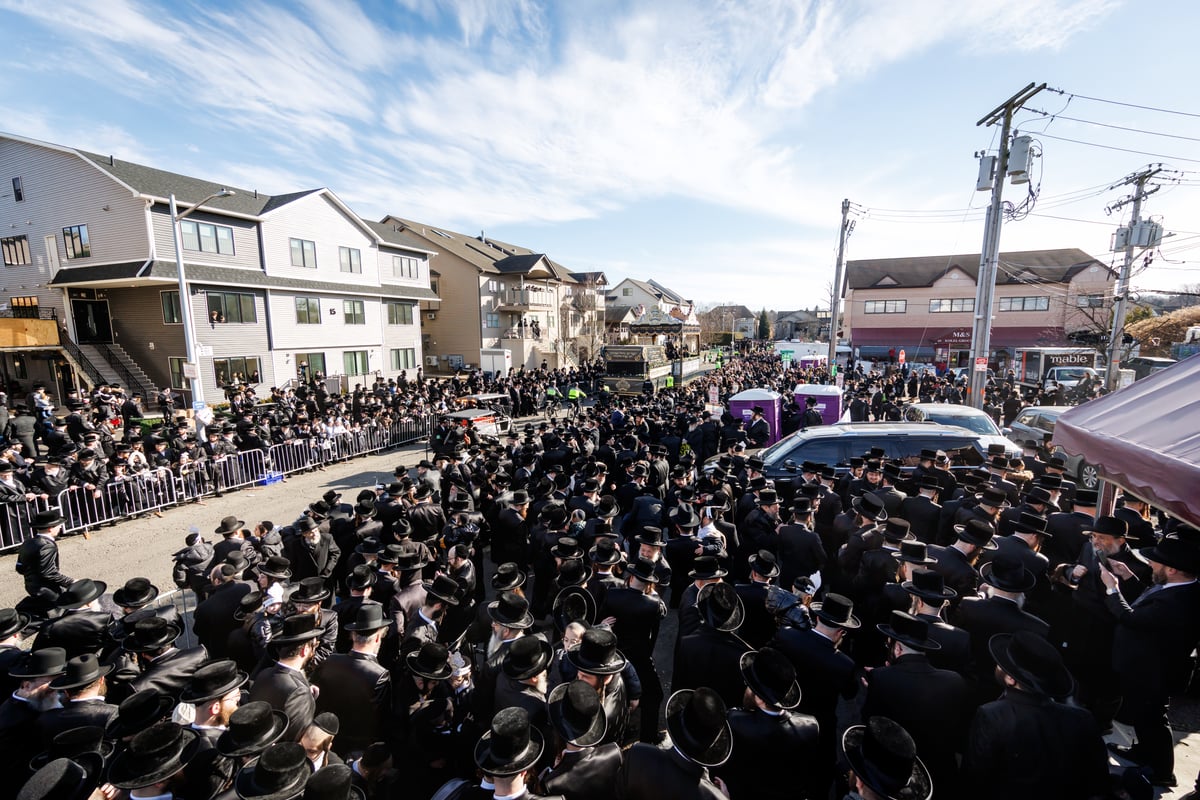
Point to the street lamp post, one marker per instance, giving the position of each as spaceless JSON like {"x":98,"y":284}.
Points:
{"x":185,"y":305}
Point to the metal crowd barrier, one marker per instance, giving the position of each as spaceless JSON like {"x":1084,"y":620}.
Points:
{"x":137,"y":495}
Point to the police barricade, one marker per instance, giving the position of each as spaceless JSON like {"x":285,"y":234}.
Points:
{"x":293,"y":456}
{"x":84,"y":508}
{"x":15,"y":522}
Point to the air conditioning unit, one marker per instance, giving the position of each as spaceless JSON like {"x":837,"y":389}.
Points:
{"x":431,"y":361}
{"x":431,"y":315}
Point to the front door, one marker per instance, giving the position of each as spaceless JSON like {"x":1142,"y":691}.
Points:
{"x":92,"y":324}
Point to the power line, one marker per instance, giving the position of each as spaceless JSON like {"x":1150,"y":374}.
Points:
{"x":1126,"y":105}
{"x":1052,"y":117}
{"x":1120,"y":149}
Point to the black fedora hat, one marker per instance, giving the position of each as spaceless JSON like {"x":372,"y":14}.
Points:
{"x":908,"y":630}
{"x":884,"y":757}
{"x":604,"y":552}
{"x":305,"y":524}
{"x":1174,"y":552}
{"x":930,"y":585}
{"x":770,"y":675}
{"x":250,"y":603}
{"x":136,"y":592}
{"x":507,"y":576}
{"x":44,"y":519}
{"x":279,"y":774}
{"x":443,"y":588}
{"x":696,"y":720}
{"x":567,"y":548}
{"x":837,"y":610}
{"x":652,"y":536}
{"x":683,"y":517}
{"x":138,"y":712}
{"x":764,"y":563}
{"x":576,"y":713}
{"x":993,"y":496}
{"x":1007,"y":575}
{"x":365,"y":509}
{"x":150,"y":634}
{"x":608,"y":507}
{"x":1033,"y":662}
{"x":573,"y":604}
{"x":720,"y":607}
{"x":706,"y":568}
{"x":276,"y":567}
{"x":65,"y":779}
{"x":153,"y":755}
{"x":81,"y":592}
{"x":252,"y":728}
{"x":361,"y":577}
{"x":526,"y":657}
{"x":572,"y":573}
{"x":12,"y":622}
{"x":978,"y":532}
{"x":597,"y":653}
{"x":1030,"y":523}
{"x":510,"y":746}
{"x":369,"y":617}
{"x":297,"y":629}
{"x":511,"y":610}
{"x":1108,"y":526}
{"x":332,"y":782}
{"x":81,"y":671}
{"x":869,"y":506}
{"x":431,"y":661}
{"x":212,"y":682}
{"x":913,"y":552}
{"x":896,"y":530}
{"x":72,"y":743}
{"x":44,"y":662}
{"x":230,"y":524}
{"x":310,"y":591}
{"x":643,"y":570}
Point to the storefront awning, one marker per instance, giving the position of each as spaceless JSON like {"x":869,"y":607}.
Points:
{"x":957,"y":337}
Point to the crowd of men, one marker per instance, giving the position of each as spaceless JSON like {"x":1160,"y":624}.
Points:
{"x":488,"y":624}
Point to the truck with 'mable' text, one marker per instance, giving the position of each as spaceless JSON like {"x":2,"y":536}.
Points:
{"x":1048,"y":368}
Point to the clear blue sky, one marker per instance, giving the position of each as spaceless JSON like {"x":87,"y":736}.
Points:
{"x":707,"y":145}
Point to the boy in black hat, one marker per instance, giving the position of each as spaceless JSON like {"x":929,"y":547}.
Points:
{"x":37,"y":560}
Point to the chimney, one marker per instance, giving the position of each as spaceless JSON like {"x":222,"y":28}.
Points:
{"x":256,"y":194}
{"x":111,"y":161}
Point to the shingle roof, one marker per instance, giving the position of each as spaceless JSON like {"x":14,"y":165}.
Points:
{"x":187,"y":190}
{"x":204,"y":273}
{"x":483,"y":253}
{"x":1025,"y":266}
{"x":392,"y":236}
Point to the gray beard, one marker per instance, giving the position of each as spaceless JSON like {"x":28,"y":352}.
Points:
{"x":494,"y":643}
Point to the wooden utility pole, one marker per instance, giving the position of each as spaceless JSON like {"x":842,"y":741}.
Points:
{"x":835,"y":296}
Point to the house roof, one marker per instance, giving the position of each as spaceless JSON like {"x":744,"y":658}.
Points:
{"x":187,"y":190}
{"x":657,"y":290}
{"x":594,"y":278}
{"x":205,"y":273}
{"x":738,"y":312}
{"x":1024,"y":266}
{"x":390,"y":235}
{"x":489,"y":255}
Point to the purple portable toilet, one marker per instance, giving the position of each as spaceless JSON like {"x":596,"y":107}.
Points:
{"x":829,"y":400}
{"x":742,"y":404}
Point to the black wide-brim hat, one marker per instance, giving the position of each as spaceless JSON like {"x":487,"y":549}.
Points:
{"x":81,"y":592}
{"x":212,"y":682}
{"x":511,"y":746}
{"x":767,"y":685}
{"x":510,"y":612}
{"x":253,"y":727}
{"x":720,"y":607}
{"x":697,"y":729}
{"x":279,"y":774}
{"x":1175,"y":553}
{"x":1032,"y":662}
{"x":880,"y":769}
{"x":431,"y":661}
{"x":11,"y":622}
{"x":137,"y":713}
{"x":868,"y":509}
{"x":1007,"y":578}
{"x":573,"y":604}
{"x":65,"y":779}
{"x":571,"y":713}
{"x":136,"y":592}
{"x":836,"y":611}
{"x":81,"y":671}
{"x":72,"y":743}
{"x":597,"y":653}
{"x":169,"y":748}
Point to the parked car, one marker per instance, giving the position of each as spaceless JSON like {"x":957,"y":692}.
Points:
{"x":969,"y":417}
{"x":487,"y":421}
{"x":1031,"y":426}
{"x":837,"y":444}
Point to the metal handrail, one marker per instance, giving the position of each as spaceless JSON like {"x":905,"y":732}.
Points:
{"x":82,"y":360}
{"x":127,"y":376}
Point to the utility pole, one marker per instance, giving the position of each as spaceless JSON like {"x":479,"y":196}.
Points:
{"x":989,"y":256}
{"x":835,"y":297}
{"x":1121,"y":292}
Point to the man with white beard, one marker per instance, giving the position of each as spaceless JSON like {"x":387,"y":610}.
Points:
{"x":510,"y":619}
{"x":524,"y":683}
{"x":19,"y":713}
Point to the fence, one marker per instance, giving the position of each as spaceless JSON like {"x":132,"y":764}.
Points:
{"x":129,"y":497}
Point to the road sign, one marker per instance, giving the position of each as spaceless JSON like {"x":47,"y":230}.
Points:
{"x":199,"y":405}
{"x":190,"y":370}
{"x":901,"y":357}
{"x":786,"y":355}
{"x":981,"y":365}
{"x":204,"y":350}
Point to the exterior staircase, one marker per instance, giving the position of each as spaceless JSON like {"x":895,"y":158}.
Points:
{"x":115,"y":366}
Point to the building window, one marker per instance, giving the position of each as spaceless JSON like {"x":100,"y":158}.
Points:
{"x":433,"y":286}
{"x":349,"y":259}
{"x":175,"y":365}
{"x":404,"y":358}
{"x":627,"y":292}
{"x":76,"y":240}
{"x":204,"y":237}
{"x":400,"y":313}
{"x":354,"y":313}
{"x":16,"y":250}
{"x":304,"y":253}
{"x":172,"y":312}
{"x":405,"y":267}
{"x":237,"y":369}
{"x":231,"y":307}
{"x":355,"y":362}
{"x":1090,"y":301}
{"x":1023,"y":304}
{"x":952,"y":305}
{"x":309,"y":364}
{"x":494,"y":286}
{"x":24,"y":307}
{"x":885,"y":307}
{"x":491,"y":320}
{"x":18,"y":190}
{"x":308,"y":311}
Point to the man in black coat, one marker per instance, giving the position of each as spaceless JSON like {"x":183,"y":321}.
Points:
{"x":83,"y":686}
{"x":922,"y":510}
{"x":1027,"y":744}
{"x":800,"y":553}
{"x":824,"y":673}
{"x":775,"y":747}
{"x":1152,"y":645}
{"x":1066,"y":529}
{"x":759,"y":625}
{"x":638,"y":612}
{"x":930,"y":596}
{"x":213,"y":619}
{"x":283,"y":684}
{"x":165,"y":668}
{"x":711,"y":656}
{"x":84,"y":627}
{"x":312,"y":553}
{"x":37,"y":560}
{"x":956,"y":562}
{"x":585,"y":769}
{"x":356,"y":687}
{"x":932,"y":704}
{"x":510,"y":534}
{"x":702,"y":739}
